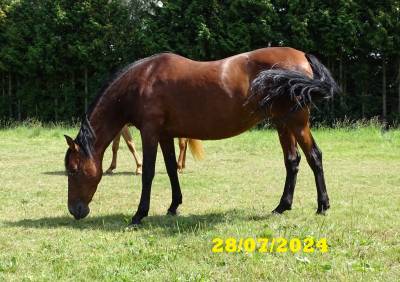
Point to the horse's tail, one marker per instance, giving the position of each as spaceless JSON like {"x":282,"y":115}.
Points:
{"x":272,"y":84}
{"x":196,"y":147}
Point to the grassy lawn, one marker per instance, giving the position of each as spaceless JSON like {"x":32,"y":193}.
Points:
{"x":229,"y":194}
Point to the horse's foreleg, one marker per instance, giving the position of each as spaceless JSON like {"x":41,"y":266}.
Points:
{"x":168,"y":150}
{"x":115,"y":147}
{"x":182,"y":154}
{"x":292,"y":160}
{"x":129,"y":141}
{"x":314,"y":159}
{"x":149,"y":144}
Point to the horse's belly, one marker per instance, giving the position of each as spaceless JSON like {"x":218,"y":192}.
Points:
{"x":211,"y":121}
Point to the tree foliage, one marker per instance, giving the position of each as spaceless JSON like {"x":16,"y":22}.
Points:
{"x":54,"y":54}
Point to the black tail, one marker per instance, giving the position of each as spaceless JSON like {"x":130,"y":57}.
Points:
{"x":273,"y":84}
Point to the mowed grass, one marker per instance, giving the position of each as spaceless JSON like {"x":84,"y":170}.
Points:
{"x":229,"y":194}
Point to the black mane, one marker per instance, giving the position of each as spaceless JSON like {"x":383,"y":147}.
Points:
{"x":86,"y":137}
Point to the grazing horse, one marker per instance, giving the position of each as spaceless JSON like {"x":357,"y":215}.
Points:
{"x":195,"y":148}
{"x":167,"y":96}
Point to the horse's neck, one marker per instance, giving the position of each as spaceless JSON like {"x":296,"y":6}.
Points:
{"x":106,"y":120}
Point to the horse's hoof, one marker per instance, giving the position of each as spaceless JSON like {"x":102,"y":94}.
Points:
{"x":138,"y":171}
{"x":136,"y":221}
{"x":180,"y":171}
{"x":322,"y":208}
{"x":172,"y":213}
{"x":109,"y":171}
{"x":281,"y":208}
{"x":135,"y":224}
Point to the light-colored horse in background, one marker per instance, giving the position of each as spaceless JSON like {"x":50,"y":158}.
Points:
{"x":195,"y":147}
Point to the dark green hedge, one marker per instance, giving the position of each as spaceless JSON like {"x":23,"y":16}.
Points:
{"x":55,"y":54}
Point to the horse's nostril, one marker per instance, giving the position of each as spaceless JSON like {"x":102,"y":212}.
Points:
{"x":79,"y":208}
{"x":79,"y":211}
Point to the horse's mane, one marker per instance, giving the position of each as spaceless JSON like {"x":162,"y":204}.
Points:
{"x":86,"y":135}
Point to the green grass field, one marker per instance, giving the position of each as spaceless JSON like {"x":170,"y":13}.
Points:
{"x":229,"y":194}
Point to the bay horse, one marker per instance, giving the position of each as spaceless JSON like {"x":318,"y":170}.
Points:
{"x":167,"y":96}
{"x":195,"y":147}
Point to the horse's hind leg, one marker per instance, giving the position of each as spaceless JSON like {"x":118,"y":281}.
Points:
{"x":149,"y":143}
{"x":314,"y":159}
{"x":168,"y":150}
{"x":182,"y":153}
{"x":129,"y":141}
{"x":292,"y":160}
{"x":115,"y":147}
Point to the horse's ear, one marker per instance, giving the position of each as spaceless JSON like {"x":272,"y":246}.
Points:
{"x":71,"y":143}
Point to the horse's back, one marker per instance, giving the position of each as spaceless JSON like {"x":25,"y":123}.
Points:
{"x":191,"y":98}
{"x":170,"y":67}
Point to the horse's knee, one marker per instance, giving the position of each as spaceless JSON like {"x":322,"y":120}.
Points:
{"x":292,"y":162}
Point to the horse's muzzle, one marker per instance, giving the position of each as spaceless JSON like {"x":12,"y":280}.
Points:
{"x":79,"y":210}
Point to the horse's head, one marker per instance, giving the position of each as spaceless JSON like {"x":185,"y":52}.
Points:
{"x":83,"y":177}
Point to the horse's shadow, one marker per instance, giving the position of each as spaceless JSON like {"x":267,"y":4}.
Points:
{"x":60,"y":172}
{"x":129,"y":173}
{"x":63,"y":173}
{"x":165,"y":224}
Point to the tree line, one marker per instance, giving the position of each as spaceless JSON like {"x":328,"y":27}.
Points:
{"x":56,"y":54}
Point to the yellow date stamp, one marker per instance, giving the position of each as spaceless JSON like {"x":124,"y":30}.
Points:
{"x":269,"y":245}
